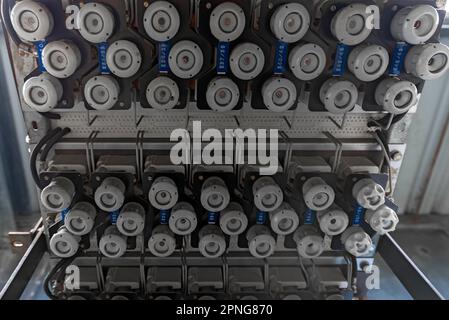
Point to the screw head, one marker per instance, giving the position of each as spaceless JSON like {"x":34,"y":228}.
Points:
{"x":396,"y":156}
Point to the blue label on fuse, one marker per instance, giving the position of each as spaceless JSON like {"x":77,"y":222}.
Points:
{"x":341,"y":59}
{"x":164,"y":54}
{"x":102,"y":61}
{"x":40,"y":45}
{"x":280,"y":63}
{"x":64,"y":214}
{"x":164,"y":216}
{"x":212,"y":218}
{"x":358,"y":216}
{"x":114,"y":217}
{"x":261,"y":217}
{"x":309,"y":217}
{"x":223,"y":58}
{"x":397,"y":61}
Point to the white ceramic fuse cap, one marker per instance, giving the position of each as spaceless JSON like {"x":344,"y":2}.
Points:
{"x":350,"y":25}
{"x":227,"y":22}
{"x":31,"y":20}
{"x":357,"y":242}
{"x":290,"y":22}
{"x":233,"y":220}
{"x":279,"y":94}
{"x":102,"y":92}
{"x":247,"y":61}
{"x":186,"y":59}
{"x":64,"y":244}
{"x":163,"y":193}
{"x":58,"y":195}
{"x":96,"y":22}
{"x":268,"y":195}
{"x":131,"y":220}
{"x":318,"y":195}
{"x":183,"y":220}
{"x":396,"y":96}
{"x":113,"y":244}
{"x":368,"y":62}
{"x":162,"y":242}
{"x":215,"y":195}
{"x":339,"y":96}
{"x":333,"y":221}
{"x":307,"y":61}
{"x":309,"y":241}
{"x":163,"y":93}
{"x":162,"y":21}
{"x":383,"y":220}
{"x":415,"y":24}
{"x":222,"y":94}
{"x":284,"y":220}
{"x":212,"y":242}
{"x":61,"y":58}
{"x":42,"y":93}
{"x":80,"y":219}
{"x":369,"y":194}
{"x":123,"y":58}
{"x":261,"y":243}
{"x":110,"y":195}
{"x":428,"y":62}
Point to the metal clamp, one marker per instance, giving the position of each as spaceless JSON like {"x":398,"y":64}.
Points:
{"x":21,"y":241}
{"x":288,"y":151}
{"x":338,"y":150}
{"x":90,"y":152}
{"x":140,"y":154}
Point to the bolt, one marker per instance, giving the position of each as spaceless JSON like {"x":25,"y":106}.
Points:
{"x":396,"y":156}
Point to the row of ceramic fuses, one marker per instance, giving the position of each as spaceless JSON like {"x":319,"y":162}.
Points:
{"x":307,"y":61}
{"x":338,"y":95}
{"x":289,"y":22}
{"x":224,"y":217}
{"x":247,"y":60}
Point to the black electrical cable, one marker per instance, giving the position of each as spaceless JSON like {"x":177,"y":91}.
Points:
{"x":49,"y":277}
{"x":59,"y":270}
{"x":7,"y":22}
{"x":384,"y":139}
{"x":384,"y":121}
{"x":50,"y":115}
{"x":35,"y":153}
{"x":51,"y":143}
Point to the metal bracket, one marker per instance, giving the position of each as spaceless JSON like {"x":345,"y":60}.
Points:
{"x":19,"y":279}
{"x":21,"y":241}
{"x":288,"y":151}
{"x":389,"y":124}
{"x":140,"y":154}
{"x":90,"y":152}
{"x":341,"y":125}
{"x":338,"y":150}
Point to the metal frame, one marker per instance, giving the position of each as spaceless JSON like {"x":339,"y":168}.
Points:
{"x":411,"y":277}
